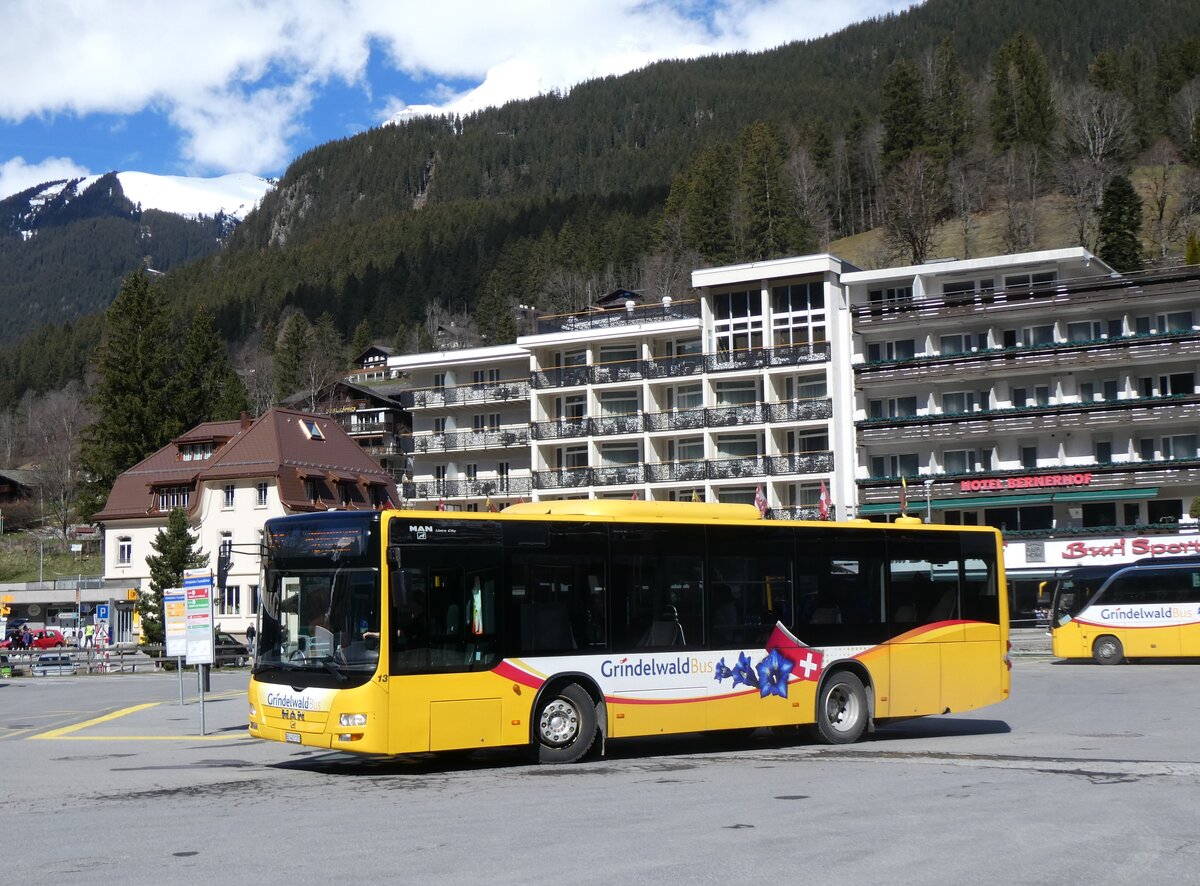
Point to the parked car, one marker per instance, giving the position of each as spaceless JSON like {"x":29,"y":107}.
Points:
{"x":52,"y":664}
{"x":230,"y":650}
{"x":48,"y":638}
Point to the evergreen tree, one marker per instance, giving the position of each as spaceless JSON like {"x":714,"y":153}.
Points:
{"x":902,"y":114}
{"x":1021,"y":108}
{"x":1120,"y":226}
{"x":176,"y":550}
{"x":133,"y":398}
{"x":949,"y":115}
{"x":207,"y":386}
{"x":362,"y":338}
{"x":708,"y":205}
{"x":291,"y":354}
{"x":1191,"y":254}
{"x":764,"y":196}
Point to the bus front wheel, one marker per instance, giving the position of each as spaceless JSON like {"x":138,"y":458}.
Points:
{"x":1107,"y":650}
{"x":565,"y":727}
{"x":841,"y":709}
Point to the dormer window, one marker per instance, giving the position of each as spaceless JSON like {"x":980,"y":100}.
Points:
{"x":311,"y":429}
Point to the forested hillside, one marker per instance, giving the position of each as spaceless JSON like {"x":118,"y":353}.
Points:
{"x":958,"y":127}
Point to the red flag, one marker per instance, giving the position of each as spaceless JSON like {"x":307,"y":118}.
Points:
{"x":760,"y":500}
{"x":823,"y":504}
{"x":441,"y":505}
{"x":491,"y":505}
{"x":633,"y":497}
{"x":903,"y":496}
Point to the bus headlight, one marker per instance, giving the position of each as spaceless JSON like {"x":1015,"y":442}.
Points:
{"x":352,"y":720}
{"x":253,"y":711}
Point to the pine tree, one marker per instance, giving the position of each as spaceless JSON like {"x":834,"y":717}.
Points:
{"x":763,"y":194}
{"x":133,"y":399}
{"x":291,"y":353}
{"x":949,"y":113}
{"x":207,"y":386}
{"x":1120,"y":226}
{"x":177,"y":550}
{"x":1021,"y":108}
{"x":362,"y":338}
{"x":708,"y":206}
{"x":902,"y":114}
{"x":1192,"y":251}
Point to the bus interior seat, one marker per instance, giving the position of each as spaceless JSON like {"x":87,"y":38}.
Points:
{"x":946,"y":606}
{"x":664,"y":630}
{"x":906,"y":614}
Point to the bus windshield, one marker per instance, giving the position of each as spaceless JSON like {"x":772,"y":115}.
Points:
{"x":320,"y":600}
{"x":1074,"y":588}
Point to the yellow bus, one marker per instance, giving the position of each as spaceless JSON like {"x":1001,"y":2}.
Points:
{"x":1146,"y":609}
{"x":561,"y":625}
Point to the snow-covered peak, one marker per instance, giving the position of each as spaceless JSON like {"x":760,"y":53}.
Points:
{"x":235,"y":194}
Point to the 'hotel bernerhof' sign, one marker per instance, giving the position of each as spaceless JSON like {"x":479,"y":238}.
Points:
{"x":1042,"y":481}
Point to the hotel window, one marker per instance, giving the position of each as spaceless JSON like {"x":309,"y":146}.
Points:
{"x":618,"y":356}
{"x":503,"y":469}
{"x":472,"y":472}
{"x":439,"y":426}
{"x":686,"y":449}
{"x":1111,"y":389}
{"x":1041,"y":395}
{"x":124,"y":550}
{"x":619,"y":403}
{"x":173,"y":497}
{"x":229,"y":601}
{"x":1038,"y":336}
{"x":228,"y":502}
{"x":1181,"y":446}
{"x":683,"y":397}
{"x":737,"y":323}
{"x":807,"y":444}
{"x":439,"y":478}
{"x":905,"y":465}
{"x":958,"y":461}
{"x":1089,"y":330}
{"x":738,"y":392}
{"x":798,"y":314}
{"x":896,"y":407}
{"x":439,"y":381}
{"x":572,"y":407}
{"x":895,"y":296}
{"x":961,"y":343}
{"x":483,"y":377}
{"x":1029,"y":457}
{"x":798,"y":389}
{"x":573,"y":457}
{"x":1017,"y":286}
{"x":1176,"y":321}
{"x":1087,"y":392}
{"x":493,"y":421}
{"x":478,"y":423}
{"x":1177,"y":385}
{"x":958,"y":402}
{"x":737,"y":446}
{"x":1103,"y":451}
{"x":261,"y":501}
{"x":1145,"y":446}
{"x":310,"y":490}
{"x":901,"y":349}
{"x":620,"y":454}
{"x":1020,"y":398}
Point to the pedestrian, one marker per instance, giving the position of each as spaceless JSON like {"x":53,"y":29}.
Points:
{"x":27,"y":639}
{"x":88,"y":634}
{"x":250,"y":635}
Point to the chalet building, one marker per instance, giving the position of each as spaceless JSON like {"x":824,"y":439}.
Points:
{"x":229,"y":477}
{"x":1042,"y":393}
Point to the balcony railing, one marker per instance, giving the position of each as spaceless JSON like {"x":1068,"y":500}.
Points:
{"x":618,"y":475}
{"x":679,"y":367}
{"x":468,"y":395}
{"x":467,"y":488}
{"x":615,"y":424}
{"x":801,"y":463}
{"x":729,"y":416}
{"x":613,"y":317}
{"x":683,"y":419}
{"x":562,"y":478}
{"x":458,"y":440}
{"x":687,"y":471}
{"x":800,"y":513}
{"x":800,"y":410}
{"x":559,"y":430}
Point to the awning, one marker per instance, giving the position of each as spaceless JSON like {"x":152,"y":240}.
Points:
{"x":916,"y":504}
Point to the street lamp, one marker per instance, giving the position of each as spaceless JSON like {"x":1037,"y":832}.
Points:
{"x":928,"y":504}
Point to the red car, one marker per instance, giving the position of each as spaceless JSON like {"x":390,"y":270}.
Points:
{"x":47,"y":639}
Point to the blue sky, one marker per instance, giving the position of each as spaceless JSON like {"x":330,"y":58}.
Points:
{"x":224,"y":86}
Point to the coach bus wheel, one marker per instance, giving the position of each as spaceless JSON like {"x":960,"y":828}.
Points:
{"x":841,"y":709}
{"x":565,"y":726}
{"x":1108,"y":650}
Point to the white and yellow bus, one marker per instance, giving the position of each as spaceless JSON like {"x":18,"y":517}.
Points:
{"x":561,"y":625}
{"x":1146,"y":609}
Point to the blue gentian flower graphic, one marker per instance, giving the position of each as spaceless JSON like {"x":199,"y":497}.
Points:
{"x":743,"y":672}
{"x":722,"y":671}
{"x":773,"y":672}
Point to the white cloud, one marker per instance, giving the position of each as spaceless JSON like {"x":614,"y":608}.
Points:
{"x":16,"y":175}
{"x":236,"y":76}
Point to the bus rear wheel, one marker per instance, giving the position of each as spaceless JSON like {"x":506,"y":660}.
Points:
{"x":565,"y":726}
{"x":1107,"y":650}
{"x":841,"y":709}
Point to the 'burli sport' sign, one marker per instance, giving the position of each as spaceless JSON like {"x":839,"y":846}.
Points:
{"x":1053,"y":481}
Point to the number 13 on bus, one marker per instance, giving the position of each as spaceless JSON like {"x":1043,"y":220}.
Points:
{"x":562,"y":625}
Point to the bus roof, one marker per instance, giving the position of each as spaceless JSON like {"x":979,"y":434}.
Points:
{"x":636,"y":510}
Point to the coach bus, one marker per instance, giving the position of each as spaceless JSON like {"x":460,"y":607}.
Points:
{"x":560,"y":625}
{"x":1146,"y":609}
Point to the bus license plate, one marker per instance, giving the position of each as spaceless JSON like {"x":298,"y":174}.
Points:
{"x":292,"y":736}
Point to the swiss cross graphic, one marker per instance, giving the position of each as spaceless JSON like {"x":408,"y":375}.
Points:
{"x":807,"y":664}
{"x":806,"y":661}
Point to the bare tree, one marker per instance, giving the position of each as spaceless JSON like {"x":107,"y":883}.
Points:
{"x":1020,"y":181}
{"x":811,"y":189}
{"x":257,"y":372}
{"x":916,"y":203}
{"x":57,"y":423}
{"x":1161,"y":161}
{"x":1186,"y":108}
{"x":967,"y":182}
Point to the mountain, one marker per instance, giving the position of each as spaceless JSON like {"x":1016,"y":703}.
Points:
{"x":66,"y":245}
{"x":556,"y":200}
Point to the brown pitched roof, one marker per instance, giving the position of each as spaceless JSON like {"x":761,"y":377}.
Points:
{"x":274,"y":445}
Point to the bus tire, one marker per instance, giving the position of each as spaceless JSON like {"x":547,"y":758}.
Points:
{"x":564,"y":728}
{"x":1107,"y":650}
{"x":841,"y":709}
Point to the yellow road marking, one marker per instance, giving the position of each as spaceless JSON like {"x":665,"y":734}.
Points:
{"x":64,"y":733}
{"x":75,"y":727}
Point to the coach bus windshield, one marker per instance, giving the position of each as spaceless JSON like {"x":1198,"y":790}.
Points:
{"x":320,"y":601}
{"x":1074,"y":588}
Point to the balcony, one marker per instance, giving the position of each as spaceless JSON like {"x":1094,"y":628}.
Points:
{"x":466,"y":395}
{"x":687,"y":471}
{"x":467,"y":488}
{"x":559,"y":430}
{"x":610,"y":318}
{"x":800,"y":463}
{"x":800,"y":513}
{"x":678,"y":367}
{"x":799,"y":410}
{"x":608,"y":425}
{"x":501,"y":438}
{"x":732,"y":416}
{"x":563,"y":478}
